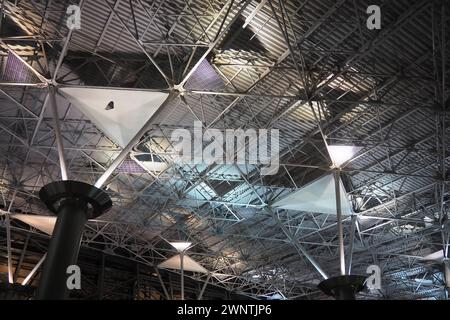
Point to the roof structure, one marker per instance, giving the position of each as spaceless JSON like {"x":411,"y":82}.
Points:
{"x":310,"y":69}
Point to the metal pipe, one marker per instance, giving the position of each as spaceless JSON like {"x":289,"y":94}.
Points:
{"x":58,"y":136}
{"x":337,"y":180}
{"x":352,"y":239}
{"x":22,"y":256}
{"x":32,"y":272}
{"x":200,"y":296}
{"x":125,"y":151}
{"x":65,"y":48}
{"x":166,"y":293}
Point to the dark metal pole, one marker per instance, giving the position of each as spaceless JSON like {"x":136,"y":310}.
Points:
{"x":63,"y":249}
{"x":74,"y":203}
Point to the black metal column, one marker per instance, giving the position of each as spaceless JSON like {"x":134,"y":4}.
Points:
{"x":74,"y":203}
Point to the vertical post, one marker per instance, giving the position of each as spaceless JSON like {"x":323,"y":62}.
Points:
{"x":74,"y":203}
{"x":58,"y":136}
{"x":344,"y":286}
{"x":337,"y":174}
{"x":182,"y":274}
{"x":63,"y":250}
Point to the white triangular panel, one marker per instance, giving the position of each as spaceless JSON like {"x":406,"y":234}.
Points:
{"x":341,"y":154}
{"x":132,"y":109}
{"x":189,"y":264}
{"x":318,"y":196}
{"x":42,"y":223}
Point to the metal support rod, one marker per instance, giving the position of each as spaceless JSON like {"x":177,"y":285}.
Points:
{"x":58,"y":136}
{"x":166,"y":293}
{"x":352,"y":239}
{"x":63,"y":249}
{"x":182,"y":274}
{"x":337,"y":180}
{"x":200,"y":296}
{"x":300,"y":249}
{"x":22,"y":256}
{"x":65,"y":47}
{"x":32,"y":272}
{"x":125,"y":151}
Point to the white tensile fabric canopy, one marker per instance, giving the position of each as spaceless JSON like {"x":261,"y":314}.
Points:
{"x":189,"y":264}
{"x":121,"y":121}
{"x":436,"y":256}
{"x":318,"y":196}
{"x":45,"y":224}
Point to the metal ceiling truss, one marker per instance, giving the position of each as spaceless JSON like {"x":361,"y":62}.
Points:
{"x":308,"y":68}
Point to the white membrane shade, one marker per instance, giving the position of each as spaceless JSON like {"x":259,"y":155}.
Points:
{"x":180,"y":245}
{"x":341,"y":154}
{"x":130,"y":111}
{"x":318,"y":197}
{"x":436,"y":256}
{"x":42,"y":223}
{"x":189,"y":264}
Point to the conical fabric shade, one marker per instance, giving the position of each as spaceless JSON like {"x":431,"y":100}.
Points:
{"x":436,"y":256}
{"x":318,"y":196}
{"x":119,"y":114}
{"x":189,"y":264}
{"x":42,"y":223}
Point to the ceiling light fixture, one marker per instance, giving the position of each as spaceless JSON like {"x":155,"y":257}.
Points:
{"x":181,"y":246}
{"x":340,"y":154}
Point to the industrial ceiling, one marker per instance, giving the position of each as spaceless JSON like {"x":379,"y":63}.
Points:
{"x":311,"y":69}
